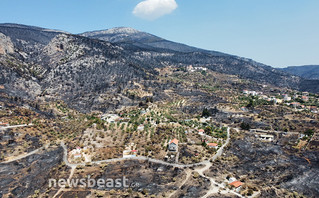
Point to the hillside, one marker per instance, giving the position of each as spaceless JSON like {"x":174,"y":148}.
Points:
{"x":310,"y":72}
{"x":92,"y":74}
{"x":217,"y":61}
{"x":172,"y":123}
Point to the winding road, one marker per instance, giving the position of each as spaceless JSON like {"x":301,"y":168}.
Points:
{"x":207,"y":164}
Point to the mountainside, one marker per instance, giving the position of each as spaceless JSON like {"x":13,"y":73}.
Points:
{"x":92,"y":74}
{"x":217,"y":61}
{"x":171,"y":123}
{"x":310,"y":72}
{"x":130,"y":36}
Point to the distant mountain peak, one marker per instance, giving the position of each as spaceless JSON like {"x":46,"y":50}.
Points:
{"x":116,"y":30}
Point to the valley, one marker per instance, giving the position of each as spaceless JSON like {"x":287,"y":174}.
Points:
{"x":175,"y":121}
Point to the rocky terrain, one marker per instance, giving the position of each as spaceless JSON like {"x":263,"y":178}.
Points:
{"x":73,"y":106}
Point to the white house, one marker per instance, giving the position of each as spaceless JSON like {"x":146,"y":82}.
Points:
{"x":287,"y":97}
{"x":140,"y":127}
{"x":110,"y":118}
{"x":266,"y":137}
{"x":212,"y":145}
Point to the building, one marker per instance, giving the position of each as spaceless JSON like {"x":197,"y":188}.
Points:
{"x":265,"y":137}
{"x":212,"y":145}
{"x":305,"y":93}
{"x":140,"y":127}
{"x":287,"y":97}
{"x":313,"y":109}
{"x":237,"y":185}
{"x":295,"y":104}
{"x":127,"y":154}
{"x":173,"y":145}
{"x":77,"y":155}
{"x":253,"y":93}
{"x":278,"y":101}
{"x":201,"y":131}
{"x":190,"y":68}
{"x":305,"y":98}
{"x":4,"y":124}
{"x":110,"y":118}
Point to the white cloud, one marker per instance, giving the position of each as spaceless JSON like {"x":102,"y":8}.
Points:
{"x":153,"y":9}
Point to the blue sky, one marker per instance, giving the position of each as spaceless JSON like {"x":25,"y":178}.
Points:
{"x":275,"y":32}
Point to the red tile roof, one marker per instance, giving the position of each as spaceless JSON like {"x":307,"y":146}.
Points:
{"x":175,"y":141}
{"x":201,"y":130}
{"x":236,"y":184}
{"x":212,"y":144}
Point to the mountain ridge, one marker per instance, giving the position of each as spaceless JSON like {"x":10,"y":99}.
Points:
{"x":140,"y":38}
{"x":310,"y":72}
{"x":94,"y":74}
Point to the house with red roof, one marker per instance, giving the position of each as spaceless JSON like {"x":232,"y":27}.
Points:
{"x":212,"y":145}
{"x":173,"y":145}
{"x":4,"y":124}
{"x":237,"y":185}
{"x":305,"y":98}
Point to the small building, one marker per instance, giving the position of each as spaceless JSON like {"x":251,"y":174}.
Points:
{"x":265,"y":137}
{"x":173,"y":145}
{"x":77,"y":155}
{"x":279,"y":101}
{"x":305,"y":98}
{"x":212,"y":145}
{"x":110,"y":118}
{"x":237,"y":185}
{"x":129,"y":153}
{"x":126,"y":153}
{"x":140,"y":127}
{"x":244,"y":109}
{"x":4,"y":124}
{"x":134,"y":152}
{"x":286,"y":97}
{"x":190,"y":68}
{"x":295,"y":104}
{"x":201,"y":131}
{"x":305,"y":93}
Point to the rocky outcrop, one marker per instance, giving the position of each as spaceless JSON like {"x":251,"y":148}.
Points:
{"x":6,"y":46}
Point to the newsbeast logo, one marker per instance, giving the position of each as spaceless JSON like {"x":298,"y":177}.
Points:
{"x":89,"y":182}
